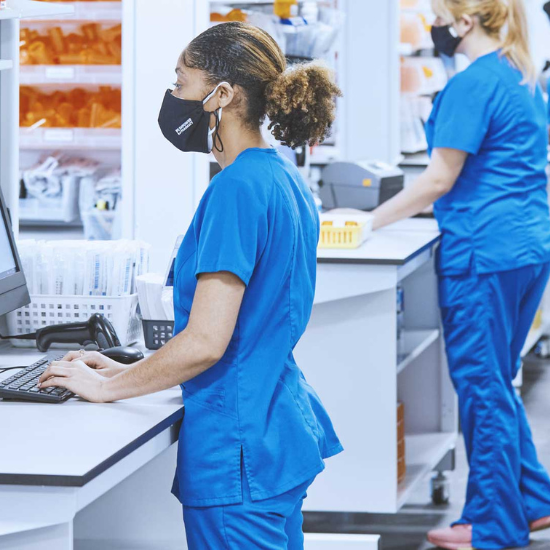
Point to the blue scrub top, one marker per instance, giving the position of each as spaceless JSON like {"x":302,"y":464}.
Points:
{"x":257,"y":220}
{"x":496,"y":216}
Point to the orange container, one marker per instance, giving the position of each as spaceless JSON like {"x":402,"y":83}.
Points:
{"x":85,"y":44}
{"x":77,"y":108}
{"x":283,"y":8}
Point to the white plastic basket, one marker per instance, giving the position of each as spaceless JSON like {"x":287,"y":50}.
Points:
{"x":53,"y":310}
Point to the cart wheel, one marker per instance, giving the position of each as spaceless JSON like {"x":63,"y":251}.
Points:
{"x":440,"y":489}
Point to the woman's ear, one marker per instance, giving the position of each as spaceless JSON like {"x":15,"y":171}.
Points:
{"x":225,"y":94}
{"x":464,"y":25}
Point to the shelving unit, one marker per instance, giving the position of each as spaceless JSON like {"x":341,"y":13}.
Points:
{"x":350,"y":355}
{"x":331,"y":150}
{"x":9,"y":92}
{"x":416,"y":343}
{"x":100,"y":145}
{"x":91,"y":11}
{"x":423,"y":454}
{"x":27,"y":9}
{"x":422,"y":74}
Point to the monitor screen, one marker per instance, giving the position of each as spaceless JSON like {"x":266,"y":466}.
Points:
{"x":8,"y":265}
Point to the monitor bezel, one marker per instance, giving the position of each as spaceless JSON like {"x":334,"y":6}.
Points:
{"x":18,"y":279}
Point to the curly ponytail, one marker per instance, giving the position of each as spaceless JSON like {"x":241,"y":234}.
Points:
{"x":299,"y":101}
{"x":300,"y":104}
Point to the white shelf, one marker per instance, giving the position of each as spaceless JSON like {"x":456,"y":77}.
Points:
{"x":26,"y":9}
{"x":70,"y":138}
{"x":423,"y":453}
{"x":92,"y":11}
{"x":76,"y":74}
{"x":416,"y":343}
{"x":5,"y":64}
{"x":9,"y":13}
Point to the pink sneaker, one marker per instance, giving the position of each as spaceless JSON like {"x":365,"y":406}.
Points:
{"x":458,"y":537}
{"x":540,"y":524}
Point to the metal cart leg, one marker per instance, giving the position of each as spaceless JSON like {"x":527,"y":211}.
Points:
{"x":439,"y":484}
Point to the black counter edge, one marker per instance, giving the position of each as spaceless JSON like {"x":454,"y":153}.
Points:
{"x":374,"y":261}
{"x":80,"y":481}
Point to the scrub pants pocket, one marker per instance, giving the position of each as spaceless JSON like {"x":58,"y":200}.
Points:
{"x":270,"y":524}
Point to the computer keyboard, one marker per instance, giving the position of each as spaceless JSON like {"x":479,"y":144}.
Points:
{"x":23,"y":385}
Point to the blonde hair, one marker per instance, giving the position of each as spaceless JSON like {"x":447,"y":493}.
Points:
{"x":504,"y":20}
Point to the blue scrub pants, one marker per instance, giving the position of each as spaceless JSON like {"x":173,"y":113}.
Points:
{"x":271,"y":524}
{"x":486,"y":320}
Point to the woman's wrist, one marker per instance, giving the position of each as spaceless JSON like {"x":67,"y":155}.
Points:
{"x":110,"y":389}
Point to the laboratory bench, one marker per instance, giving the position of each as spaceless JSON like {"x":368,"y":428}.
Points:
{"x":349,"y":354}
{"x":85,"y":475}
{"x":67,"y":469}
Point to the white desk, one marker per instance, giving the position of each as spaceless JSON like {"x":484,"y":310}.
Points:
{"x":55,"y":460}
{"x":115,"y":468}
{"x":349,"y":355}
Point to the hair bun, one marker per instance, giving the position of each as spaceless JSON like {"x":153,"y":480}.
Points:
{"x":300,"y":104}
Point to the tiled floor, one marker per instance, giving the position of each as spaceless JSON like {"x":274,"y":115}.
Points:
{"x":406,"y":530}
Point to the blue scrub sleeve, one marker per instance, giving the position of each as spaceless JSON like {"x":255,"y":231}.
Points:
{"x":232,"y":228}
{"x":464,"y":113}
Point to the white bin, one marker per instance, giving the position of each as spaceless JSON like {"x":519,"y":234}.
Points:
{"x":53,"y":310}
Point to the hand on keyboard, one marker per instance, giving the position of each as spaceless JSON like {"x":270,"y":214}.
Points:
{"x":75,"y":376}
{"x":103,"y":365}
{"x":23,"y":385}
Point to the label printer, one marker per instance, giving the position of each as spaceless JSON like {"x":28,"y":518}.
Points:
{"x":360,"y":185}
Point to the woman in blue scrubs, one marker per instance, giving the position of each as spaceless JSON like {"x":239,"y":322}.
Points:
{"x":255,"y":434}
{"x":488,"y":143}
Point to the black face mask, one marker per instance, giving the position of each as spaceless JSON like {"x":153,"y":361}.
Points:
{"x":445,"y":39}
{"x":186,"y":125}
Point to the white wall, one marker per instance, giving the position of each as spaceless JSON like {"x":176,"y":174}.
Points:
{"x":371,"y":80}
{"x":164,"y":194}
{"x":540,"y":32}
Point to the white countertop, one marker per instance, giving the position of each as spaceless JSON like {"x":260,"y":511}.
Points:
{"x":394,"y":245}
{"x":71,"y":443}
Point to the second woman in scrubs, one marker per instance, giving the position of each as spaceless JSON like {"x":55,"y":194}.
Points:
{"x":488,"y":142}
{"x":255,"y":434}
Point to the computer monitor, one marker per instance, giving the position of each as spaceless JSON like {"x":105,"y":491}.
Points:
{"x":13,"y":285}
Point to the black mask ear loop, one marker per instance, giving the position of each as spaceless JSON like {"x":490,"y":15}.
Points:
{"x":216,"y":139}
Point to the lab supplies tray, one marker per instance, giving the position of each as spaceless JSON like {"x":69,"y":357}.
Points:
{"x":47,"y":310}
{"x":334,"y":234}
{"x":157,"y":333}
